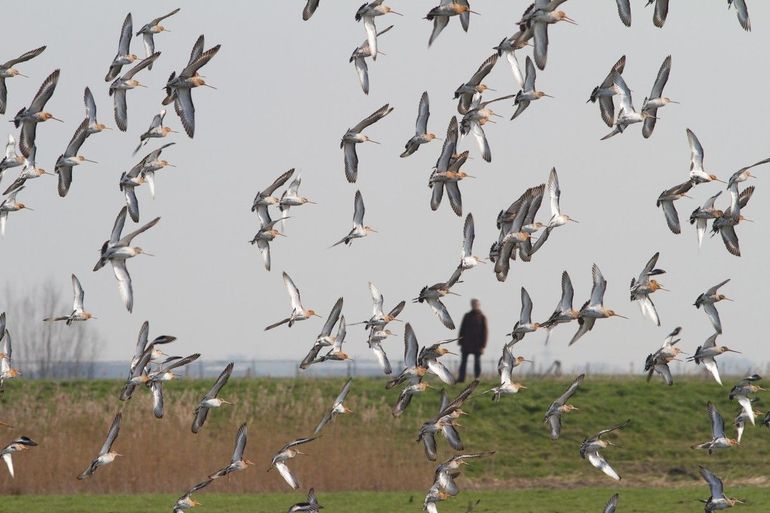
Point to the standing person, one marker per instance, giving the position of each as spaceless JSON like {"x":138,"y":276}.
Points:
{"x":473,"y":339}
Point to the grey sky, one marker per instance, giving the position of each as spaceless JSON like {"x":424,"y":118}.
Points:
{"x":286,"y":93}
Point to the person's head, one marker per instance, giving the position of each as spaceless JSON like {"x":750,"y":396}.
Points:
{"x":475,"y":305}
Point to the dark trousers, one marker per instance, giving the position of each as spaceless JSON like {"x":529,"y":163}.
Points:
{"x":464,"y":363}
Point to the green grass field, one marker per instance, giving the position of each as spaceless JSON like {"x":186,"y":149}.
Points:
{"x":370,"y":450}
{"x":632,"y":500}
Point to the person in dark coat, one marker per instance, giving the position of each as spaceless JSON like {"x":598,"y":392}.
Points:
{"x":473,"y":339}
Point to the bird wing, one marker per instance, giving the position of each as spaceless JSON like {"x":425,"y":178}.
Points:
{"x":525,"y":316}
{"x":201,"y":60}
{"x":125,"y":241}
{"x":661,"y":11}
{"x":185,"y":109}
{"x":240,"y":443}
{"x":612,"y":504}
{"x":117,"y":228}
{"x":371,"y":34}
{"x":661,"y":79}
{"x":511,"y":58}
{"x":24,"y":57}
{"x":126,"y":32}
{"x":696,"y":151}
{"x":373,"y":118}
{"x":112,"y":434}
{"x":730,"y":239}
{"x":599,"y":286}
{"x":483,"y":70}
{"x":711,"y":366}
{"x":648,"y":309}
{"x":481,"y":140}
{"x":382,"y":358}
{"x":531,"y":74}
{"x":220,"y":382}
{"x":124,"y":283}
{"x":441,"y":371}
{"x":139,"y":67}
{"x":77,"y":139}
{"x":309,"y":9}
{"x":88,"y":99}
{"x":449,"y":147}
{"x":648,"y":267}
{"x":713,"y":290}
{"x":78,"y":293}
{"x":571,"y":390}
{"x":423,"y":113}
{"x":439,"y":23}
{"x":452,"y":436}
{"x":157,"y":399}
{"x":351,"y":162}
{"x":717,"y":423}
{"x":332,"y":319}
{"x":469,"y":235}
{"x":296,"y":301}
{"x":377,"y":300}
{"x":554,"y":192}
{"x":410,"y":347}
{"x":567,"y":292}
{"x":120,"y":109}
{"x":743,"y":14}
{"x":443,"y":314}
{"x":286,"y":474}
{"x":540,"y":31}
{"x":624,"y":11}
{"x":626,"y":102}
{"x":671,"y":215}
{"x":158,"y":20}
{"x":278,"y":182}
{"x":362,"y":70}
{"x":359,"y":210}
{"x":455,"y":197}
{"x":665,"y":371}
{"x":45,"y":92}
{"x":715,"y":484}
{"x":344,"y":392}
{"x":598,"y":461}
{"x":713,"y":315}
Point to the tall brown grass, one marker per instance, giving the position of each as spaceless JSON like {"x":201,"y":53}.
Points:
{"x":366,"y":450}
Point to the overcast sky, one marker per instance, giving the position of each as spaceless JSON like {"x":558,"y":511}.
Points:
{"x":286,"y":94}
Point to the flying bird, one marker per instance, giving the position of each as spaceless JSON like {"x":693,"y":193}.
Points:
{"x":359,"y":229}
{"x":358,"y":58}
{"x":643,"y":286}
{"x":78,"y":311}
{"x":707,"y":353}
{"x":564,"y":311}
{"x":656,"y":100}
{"x":119,"y":87}
{"x":478,"y":115}
{"x":286,"y":453}
{"x":28,"y":117}
{"x":70,"y":158}
{"x":440,"y":15}
{"x":94,"y":127}
{"x":590,"y":448}
{"x":666,"y":202}
{"x":708,"y":300}
{"x":354,"y":136}
{"x":467,"y":259}
{"x":311,"y":505}
{"x":186,"y":502}
{"x":741,"y":392}
{"x":697,"y":174}
{"x":30,"y":171}
{"x":7,"y":70}
{"x":604,"y":92}
{"x":466,"y":91}
{"x":156,"y":130}
{"x":325,"y":337}
{"x":367,"y":12}
{"x":594,"y":308}
{"x":106,"y":454}
{"x":237,"y":462}
{"x":742,"y":12}
{"x":309,"y":9}
{"x":422,"y":135}
{"x":338,"y":408}
{"x":536,"y":18}
{"x":8,"y":205}
{"x":20,"y":444}
{"x":718,"y":438}
{"x":211,"y":399}
{"x":701,"y":215}
{"x":717,"y":500}
{"x":298,"y":312}
{"x":432,"y":296}
{"x":149,"y":30}
{"x":528,"y":92}
{"x":507,"y":385}
{"x":560,"y":407}
{"x":124,"y":55}
{"x":659,"y":360}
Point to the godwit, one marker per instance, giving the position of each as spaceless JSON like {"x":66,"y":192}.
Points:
{"x":237,"y":462}
{"x":211,"y":399}
{"x":119,"y":87}
{"x":564,"y":311}
{"x":359,"y":229}
{"x":124,"y":55}
{"x":29,"y":117}
{"x":367,"y":12}
{"x":554,"y":196}
{"x":701,"y":215}
{"x":707,"y":353}
{"x":266,"y":234}
{"x":20,"y":444}
{"x":309,"y":9}
{"x":11,"y":158}
{"x":524,"y":325}
{"x":725,"y":224}
{"x":429,"y":359}
{"x":718,"y":500}
{"x":28,"y":172}
{"x":354,"y":136}
{"x":413,"y":373}
{"x":7,"y":70}
{"x":78,"y":312}
{"x":449,"y":180}
{"x":537,"y":17}
{"x":666,"y":202}
{"x":156,"y":130}
{"x":604,"y":92}
{"x":708,"y":300}
{"x":590,"y":448}
{"x":466,"y":91}
{"x":298,"y":312}
{"x":718,"y":438}
{"x":528,"y":92}
{"x":94,"y":126}
{"x":433,"y":294}
{"x":594,"y":308}
{"x":186,"y":502}
{"x":106,"y":454}
{"x":445,"y":422}
{"x":311,"y":505}
{"x":656,"y":100}
{"x":627,"y":115}
{"x":642,"y":287}
{"x":422,"y":135}
{"x":286,"y":453}
{"x":507,"y":385}
{"x":478,"y":115}
{"x":742,"y":12}
{"x":70,"y":158}
{"x":144,"y":354}
{"x":659,"y":360}
{"x":358,"y":58}
{"x":338,"y":408}
{"x":440,"y":15}
{"x":661,"y":12}
{"x":744,"y":173}
{"x":697,"y":174}
{"x":741,"y":392}
{"x":292,"y":198}
{"x":467,"y":259}
{"x":8,"y":205}
{"x":325,"y":337}
{"x":266,"y":197}
{"x":508,"y":47}
{"x":560,"y":407}
{"x":149,"y":30}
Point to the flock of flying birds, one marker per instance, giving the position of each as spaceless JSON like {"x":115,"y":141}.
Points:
{"x":523,"y":230}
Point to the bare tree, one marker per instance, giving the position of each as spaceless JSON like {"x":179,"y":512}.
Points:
{"x":49,"y":349}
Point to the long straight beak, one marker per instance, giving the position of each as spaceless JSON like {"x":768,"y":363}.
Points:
{"x":395,"y":12}
{"x":621,"y":316}
{"x":170,"y":165}
{"x":570,"y":20}
{"x":27,"y":208}
{"x":21,"y":75}
{"x":371,"y":140}
{"x":209,"y":85}
{"x":732,"y":351}
{"x":89,"y":160}
{"x":148,"y":254}
{"x":548,"y":95}
{"x":57,"y":119}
